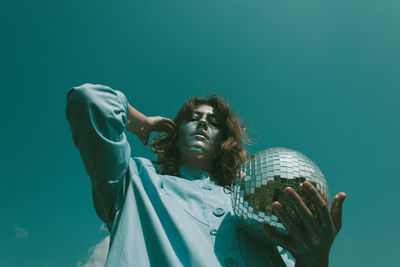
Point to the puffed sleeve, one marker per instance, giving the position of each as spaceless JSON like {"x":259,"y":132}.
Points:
{"x":97,"y":116}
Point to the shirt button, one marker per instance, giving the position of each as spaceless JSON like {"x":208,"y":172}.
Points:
{"x":206,"y":187}
{"x":230,"y":262}
{"x":213,"y":232}
{"x":219,"y":212}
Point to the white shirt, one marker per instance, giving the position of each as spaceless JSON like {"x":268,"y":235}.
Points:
{"x":160,"y":220}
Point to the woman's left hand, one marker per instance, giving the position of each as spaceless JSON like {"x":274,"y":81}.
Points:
{"x":310,"y":238}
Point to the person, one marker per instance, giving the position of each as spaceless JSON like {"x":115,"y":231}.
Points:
{"x":181,"y":214}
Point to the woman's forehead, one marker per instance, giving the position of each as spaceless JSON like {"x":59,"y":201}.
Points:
{"x":204,"y":109}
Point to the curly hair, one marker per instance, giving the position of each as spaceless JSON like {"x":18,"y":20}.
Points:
{"x":231,"y":153}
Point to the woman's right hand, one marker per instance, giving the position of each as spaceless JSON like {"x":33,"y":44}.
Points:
{"x":142,"y":126}
{"x":154,"y":124}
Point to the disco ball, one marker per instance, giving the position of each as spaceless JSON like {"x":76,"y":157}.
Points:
{"x":260,"y":182}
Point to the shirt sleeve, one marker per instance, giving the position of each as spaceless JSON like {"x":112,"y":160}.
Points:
{"x":97,"y":116}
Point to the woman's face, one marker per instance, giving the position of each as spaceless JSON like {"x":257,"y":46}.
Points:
{"x":200,"y":135}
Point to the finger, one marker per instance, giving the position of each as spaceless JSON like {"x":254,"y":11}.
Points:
{"x":170,"y":122}
{"x":170,"y":125}
{"x":308,"y":203}
{"x":304,"y":213}
{"x":163,"y":128}
{"x":325,"y":197}
{"x":290,"y":225}
{"x":166,"y":125}
{"x":336,"y":210}
{"x":321,"y":207}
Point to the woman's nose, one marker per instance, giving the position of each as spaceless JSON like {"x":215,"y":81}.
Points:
{"x":202,"y":124}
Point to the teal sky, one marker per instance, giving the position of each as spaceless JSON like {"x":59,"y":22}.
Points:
{"x":318,"y":76}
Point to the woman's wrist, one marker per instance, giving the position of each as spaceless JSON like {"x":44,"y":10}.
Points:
{"x":137,"y":122}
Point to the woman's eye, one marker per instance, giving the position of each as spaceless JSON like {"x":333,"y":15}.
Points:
{"x":194,"y":118}
{"x":214,"y":122}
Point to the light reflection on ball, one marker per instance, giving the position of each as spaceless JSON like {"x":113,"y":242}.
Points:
{"x":261,"y":180}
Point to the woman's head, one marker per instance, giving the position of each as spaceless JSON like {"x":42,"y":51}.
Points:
{"x":208,"y":131}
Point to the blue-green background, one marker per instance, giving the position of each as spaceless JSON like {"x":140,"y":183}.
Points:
{"x":318,"y":76}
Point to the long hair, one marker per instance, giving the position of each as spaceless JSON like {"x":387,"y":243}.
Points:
{"x":231,"y":153}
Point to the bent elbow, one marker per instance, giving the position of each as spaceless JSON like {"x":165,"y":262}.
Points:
{"x":110,"y":103}
{"x":82,"y":95}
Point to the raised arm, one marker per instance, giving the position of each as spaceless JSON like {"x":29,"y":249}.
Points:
{"x":98,"y":116}
{"x":142,"y":126}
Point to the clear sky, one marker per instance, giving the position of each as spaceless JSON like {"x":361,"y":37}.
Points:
{"x":318,"y":76}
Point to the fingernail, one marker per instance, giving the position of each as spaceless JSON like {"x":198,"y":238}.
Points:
{"x":288,"y":189}
{"x":275,"y":204}
{"x":306,"y":185}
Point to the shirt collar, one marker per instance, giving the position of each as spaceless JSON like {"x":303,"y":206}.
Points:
{"x":193,"y":173}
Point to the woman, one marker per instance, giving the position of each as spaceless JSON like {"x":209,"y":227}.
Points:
{"x":181,"y":215}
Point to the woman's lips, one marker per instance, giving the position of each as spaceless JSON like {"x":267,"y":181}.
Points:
{"x":201,"y":135}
